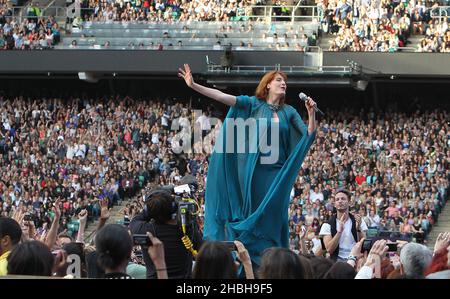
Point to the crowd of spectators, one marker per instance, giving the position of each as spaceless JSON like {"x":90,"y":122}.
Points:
{"x":167,"y":11}
{"x":81,"y":151}
{"x":30,"y":32}
{"x":374,"y":26}
{"x":437,"y":38}
{"x":396,"y":165}
{"x":358,"y":25}
{"x":37,"y":32}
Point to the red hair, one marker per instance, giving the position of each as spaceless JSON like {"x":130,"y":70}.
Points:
{"x":439,"y":262}
{"x":261,"y":91}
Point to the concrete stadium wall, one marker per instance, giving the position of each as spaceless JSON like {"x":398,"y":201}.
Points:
{"x":166,"y":62}
{"x":426,"y":64}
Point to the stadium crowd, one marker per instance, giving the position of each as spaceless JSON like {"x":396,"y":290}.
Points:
{"x":82,"y":151}
{"x":32,"y":32}
{"x":358,"y":25}
{"x":167,"y":11}
{"x":64,"y":159}
{"x":437,"y":38}
{"x":374,"y":26}
{"x":396,"y":166}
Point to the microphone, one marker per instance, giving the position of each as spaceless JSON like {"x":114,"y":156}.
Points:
{"x":303,"y":97}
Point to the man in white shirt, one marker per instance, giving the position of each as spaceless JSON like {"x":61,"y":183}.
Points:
{"x":343,"y":230}
{"x":205,"y":124}
{"x":203,"y":120}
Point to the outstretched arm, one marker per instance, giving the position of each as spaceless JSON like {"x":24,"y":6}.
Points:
{"x":82,"y":217}
{"x":156,"y":253}
{"x":212,"y":93}
{"x":53,"y":232}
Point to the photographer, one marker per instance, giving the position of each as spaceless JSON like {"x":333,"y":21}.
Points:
{"x":159,"y":218}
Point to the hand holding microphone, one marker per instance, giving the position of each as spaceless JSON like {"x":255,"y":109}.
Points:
{"x":303,"y":97}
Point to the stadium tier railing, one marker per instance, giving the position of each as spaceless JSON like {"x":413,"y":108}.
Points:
{"x":249,"y":69}
{"x":440,"y":12}
{"x":59,"y":13}
{"x":267,"y":13}
{"x":258,"y":12}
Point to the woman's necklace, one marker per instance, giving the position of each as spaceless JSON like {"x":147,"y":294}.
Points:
{"x":274,"y":107}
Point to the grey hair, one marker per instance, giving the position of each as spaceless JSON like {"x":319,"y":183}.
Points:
{"x":415,"y":258}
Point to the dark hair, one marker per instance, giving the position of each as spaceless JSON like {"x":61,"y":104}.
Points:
{"x":114,"y":246}
{"x":78,"y":249}
{"x":340,"y":270}
{"x":92,"y":268}
{"x":160,"y":206}
{"x":308,"y":271}
{"x":345,"y":191}
{"x":74,"y":248}
{"x":10,"y":227}
{"x":65,"y":236}
{"x":31,"y":258}
{"x":281,"y":263}
{"x":320,"y":266}
{"x":214,"y":261}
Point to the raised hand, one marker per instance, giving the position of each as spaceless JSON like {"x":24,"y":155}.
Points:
{"x":376,"y":254}
{"x":443,"y":241}
{"x":361,"y":261}
{"x":186,"y":74}
{"x":82,"y":216}
{"x":60,"y":264}
{"x":341,"y":222}
{"x":395,"y":261}
{"x":358,"y":221}
{"x":31,"y":229}
{"x":309,"y":104}
{"x":18,"y":215}
{"x":242,"y":255}
{"x":356,"y":249}
{"x":156,"y":250}
{"x":57,"y":209}
{"x":104,"y":212}
{"x":25,"y":231}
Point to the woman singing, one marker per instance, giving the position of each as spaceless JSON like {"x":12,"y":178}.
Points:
{"x":247,"y":193}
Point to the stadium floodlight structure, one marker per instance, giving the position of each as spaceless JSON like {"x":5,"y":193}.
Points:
{"x":360,"y":85}
{"x":88,"y":77}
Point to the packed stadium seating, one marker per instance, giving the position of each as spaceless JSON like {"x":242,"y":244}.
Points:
{"x":193,"y":35}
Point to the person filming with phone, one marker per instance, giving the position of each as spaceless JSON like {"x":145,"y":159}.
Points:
{"x":343,"y":229}
{"x":159,"y":217}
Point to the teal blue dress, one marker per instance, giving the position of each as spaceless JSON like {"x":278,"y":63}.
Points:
{"x":246,"y":197}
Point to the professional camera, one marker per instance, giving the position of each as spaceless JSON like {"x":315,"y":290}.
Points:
{"x":187,"y":207}
{"x":184,"y":208}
